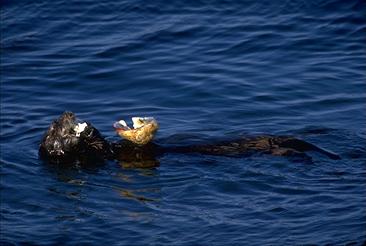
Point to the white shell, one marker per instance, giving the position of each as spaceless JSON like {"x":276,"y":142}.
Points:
{"x":80,"y":128}
{"x":123,"y":123}
{"x":141,"y":121}
{"x":137,"y":122}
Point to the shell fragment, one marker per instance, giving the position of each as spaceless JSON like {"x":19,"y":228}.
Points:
{"x":79,"y":128}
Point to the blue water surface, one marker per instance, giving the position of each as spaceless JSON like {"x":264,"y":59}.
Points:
{"x":205,"y":69}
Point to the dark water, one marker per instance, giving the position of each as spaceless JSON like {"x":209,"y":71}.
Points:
{"x":204,"y":69}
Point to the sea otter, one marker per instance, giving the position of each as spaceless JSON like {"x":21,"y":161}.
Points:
{"x":68,"y":140}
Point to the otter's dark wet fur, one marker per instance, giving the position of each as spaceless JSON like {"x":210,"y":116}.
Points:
{"x":60,"y":144}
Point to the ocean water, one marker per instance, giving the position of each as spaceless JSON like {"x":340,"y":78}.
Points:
{"x":205,"y":70}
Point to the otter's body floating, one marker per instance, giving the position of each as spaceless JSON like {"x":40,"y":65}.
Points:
{"x":66,"y":140}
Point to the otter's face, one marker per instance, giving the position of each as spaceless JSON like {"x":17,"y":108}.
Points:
{"x":143,"y":131}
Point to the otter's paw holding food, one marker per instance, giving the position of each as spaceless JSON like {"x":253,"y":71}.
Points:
{"x":143,"y":131}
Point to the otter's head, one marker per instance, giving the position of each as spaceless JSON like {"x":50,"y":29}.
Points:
{"x":67,"y":137}
{"x":143,"y":131}
{"x":60,"y":138}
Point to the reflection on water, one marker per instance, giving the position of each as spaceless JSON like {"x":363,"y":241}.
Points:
{"x":76,"y":177}
{"x":145,"y":192}
{"x":139,"y":164}
{"x":132,"y":194}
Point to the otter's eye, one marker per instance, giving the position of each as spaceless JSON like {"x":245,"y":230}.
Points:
{"x":141,"y":121}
